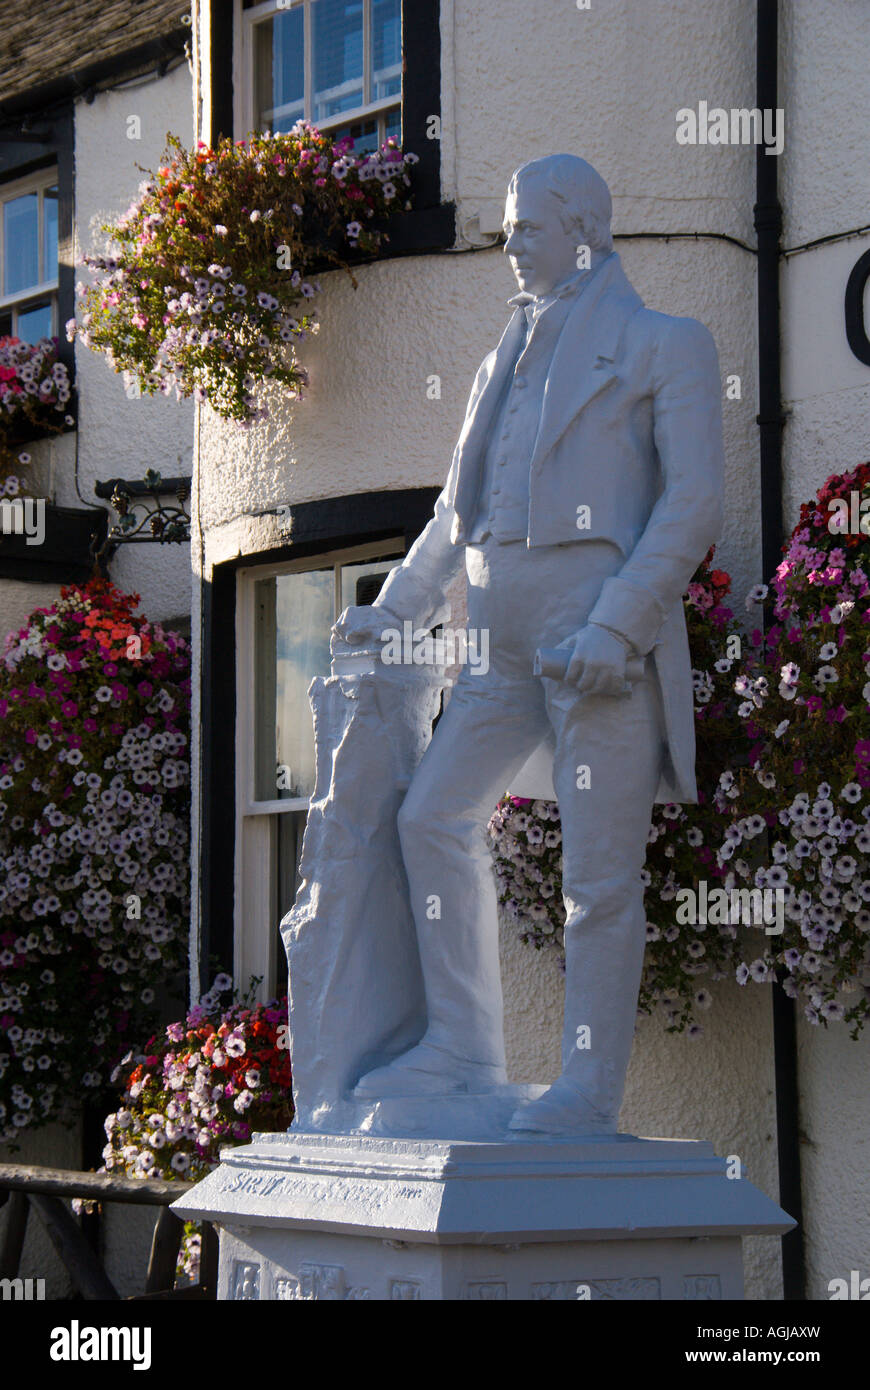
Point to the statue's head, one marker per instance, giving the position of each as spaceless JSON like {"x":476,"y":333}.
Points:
{"x":554,"y":206}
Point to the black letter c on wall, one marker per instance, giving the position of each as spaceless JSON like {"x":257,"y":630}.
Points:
{"x":856,"y":331}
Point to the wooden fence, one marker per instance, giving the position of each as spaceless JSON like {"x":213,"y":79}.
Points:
{"x":23,"y":1186}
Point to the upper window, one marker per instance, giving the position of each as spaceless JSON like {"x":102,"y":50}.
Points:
{"x":28,"y":257}
{"x":336,"y":63}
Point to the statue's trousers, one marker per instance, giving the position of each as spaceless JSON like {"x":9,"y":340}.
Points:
{"x":608,"y":760}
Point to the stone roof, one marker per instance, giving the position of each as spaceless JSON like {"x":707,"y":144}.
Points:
{"x":43,"y":42}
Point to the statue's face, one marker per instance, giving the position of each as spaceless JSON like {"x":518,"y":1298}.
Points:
{"x":541,"y":252}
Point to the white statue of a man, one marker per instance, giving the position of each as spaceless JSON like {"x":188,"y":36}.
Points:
{"x":585,"y":488}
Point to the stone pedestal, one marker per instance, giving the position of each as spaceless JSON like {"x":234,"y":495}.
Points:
{"x":318,"y":1216}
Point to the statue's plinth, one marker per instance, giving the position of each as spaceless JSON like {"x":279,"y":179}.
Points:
{"x":310,"y":1215}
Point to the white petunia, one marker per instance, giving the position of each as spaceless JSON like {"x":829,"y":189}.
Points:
{"x":841,"y":610}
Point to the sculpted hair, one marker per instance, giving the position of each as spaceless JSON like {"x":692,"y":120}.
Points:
{"x":582,"y":195}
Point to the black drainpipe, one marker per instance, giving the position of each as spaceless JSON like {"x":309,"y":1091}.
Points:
{"x":768,"y":226}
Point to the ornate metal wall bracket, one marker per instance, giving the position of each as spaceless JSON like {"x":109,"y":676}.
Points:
{"x":143,"y":516}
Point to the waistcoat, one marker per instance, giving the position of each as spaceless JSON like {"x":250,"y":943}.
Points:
{"x":503,"y":501}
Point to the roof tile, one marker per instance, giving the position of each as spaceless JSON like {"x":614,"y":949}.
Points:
{"x":41,"y":42}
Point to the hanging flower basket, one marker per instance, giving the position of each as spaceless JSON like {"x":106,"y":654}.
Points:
{"x":209,"y":289}
{"x":806,"y":704}
{"x":94,"y":812}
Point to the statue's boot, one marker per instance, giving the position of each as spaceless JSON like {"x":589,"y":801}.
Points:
{"x":564,"y":1110}
{"x":429,"y":1071}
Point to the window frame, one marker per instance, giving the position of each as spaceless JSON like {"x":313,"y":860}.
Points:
{"x":48,"y":288}
{"x":256,"y":911}
{"x":247,"y":20}
{"x":315,"y":527}
{"x":431,"y":224}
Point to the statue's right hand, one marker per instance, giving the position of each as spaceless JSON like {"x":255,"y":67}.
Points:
{"x":358,"y":625}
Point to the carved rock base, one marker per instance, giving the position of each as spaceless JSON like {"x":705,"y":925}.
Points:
{"x":316,"y":1216}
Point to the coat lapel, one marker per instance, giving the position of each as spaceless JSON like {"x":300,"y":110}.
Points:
{"x":583,"y":362}
{"x":478,"y":422}
{"x":582,"y":366}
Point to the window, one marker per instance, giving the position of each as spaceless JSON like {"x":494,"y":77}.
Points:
{"x":389,"y":51}
{"x":28,"y":257}
{"x":284,"y":615}
{"x":337,"y":63}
